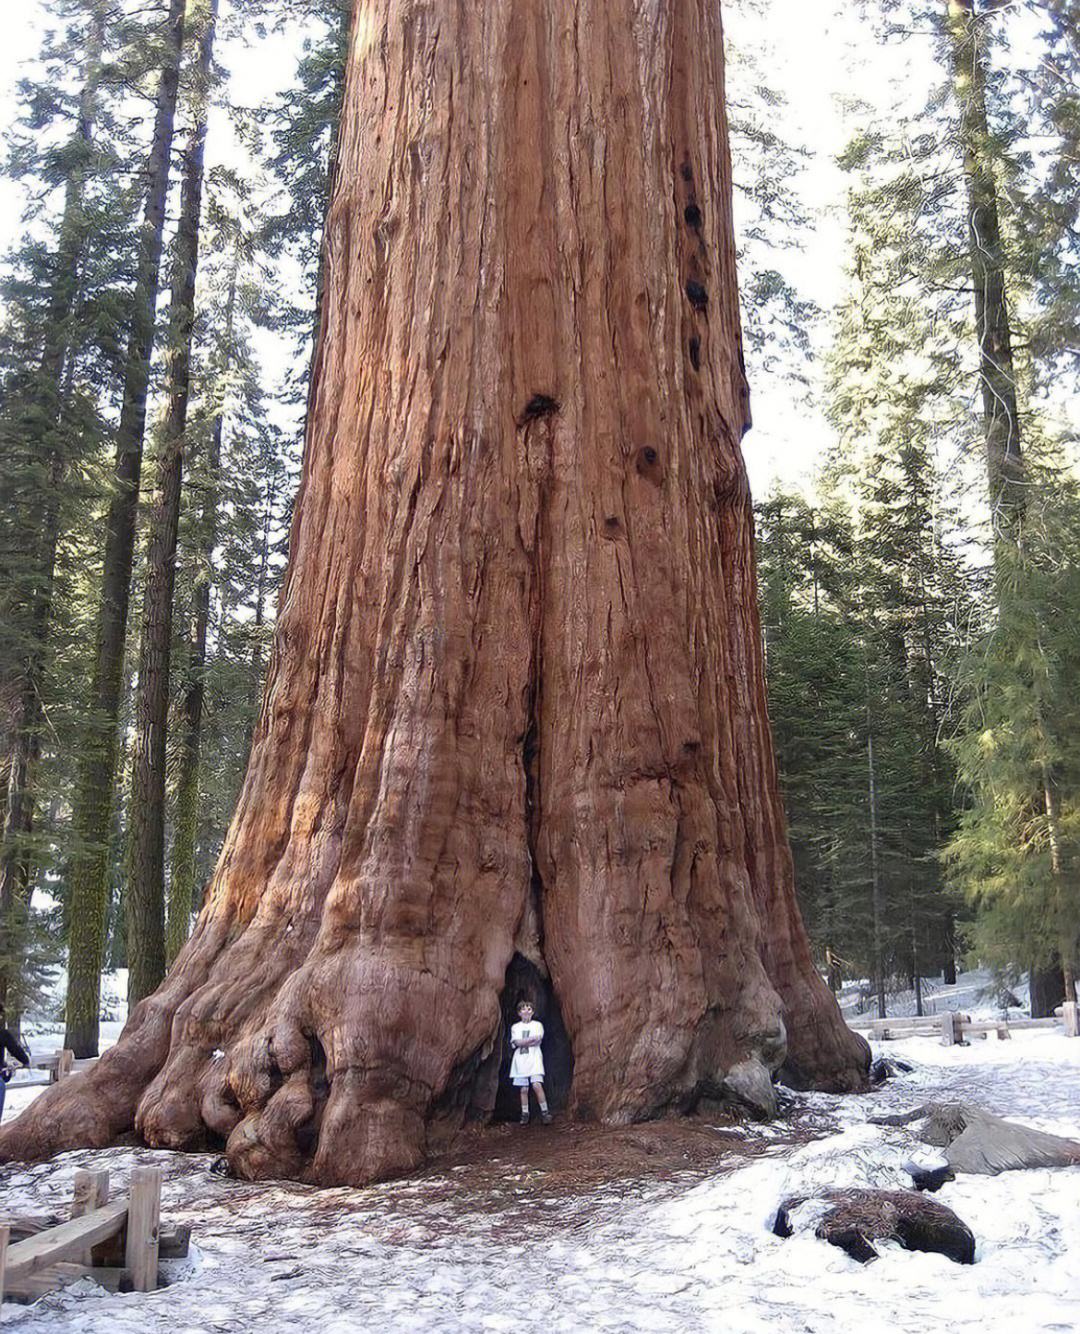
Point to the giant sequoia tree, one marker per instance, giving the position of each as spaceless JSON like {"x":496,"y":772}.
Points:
{"x":514,"y":733}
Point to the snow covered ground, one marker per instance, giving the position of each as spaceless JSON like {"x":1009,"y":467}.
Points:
{"x":692,"y":1252}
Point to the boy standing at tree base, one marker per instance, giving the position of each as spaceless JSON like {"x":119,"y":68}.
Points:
{"x":527,"y":1065}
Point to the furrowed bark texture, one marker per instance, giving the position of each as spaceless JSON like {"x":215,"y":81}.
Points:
{"x":515,"y":723}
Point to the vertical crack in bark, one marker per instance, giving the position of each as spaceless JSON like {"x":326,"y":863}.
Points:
{"x":539,"y":423}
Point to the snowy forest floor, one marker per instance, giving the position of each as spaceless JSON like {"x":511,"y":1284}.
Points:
{"x":649,"y":1228}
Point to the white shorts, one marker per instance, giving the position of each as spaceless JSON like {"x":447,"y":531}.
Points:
{"x":523,"y":1081}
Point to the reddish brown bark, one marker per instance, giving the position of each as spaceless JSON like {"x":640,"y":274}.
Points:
{"x":515,"y":723}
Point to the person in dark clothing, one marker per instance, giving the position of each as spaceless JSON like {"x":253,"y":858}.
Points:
{"x":9,"y":1043}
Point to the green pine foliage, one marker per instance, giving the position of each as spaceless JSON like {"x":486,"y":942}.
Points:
{"x":1016,"y":852}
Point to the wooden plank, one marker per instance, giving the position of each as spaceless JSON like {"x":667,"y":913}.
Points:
{"x":28,"y":1225}
{"x":174,"y":1242}
{"x":144,"y":1217}
{"x":992,"y":1025}
{"x":59,"y":1243}
{"x":54,"y":1277}
{"x":91,"y":1192}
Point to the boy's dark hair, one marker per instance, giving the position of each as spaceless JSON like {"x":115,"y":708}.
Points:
{"x":524,"y":1000}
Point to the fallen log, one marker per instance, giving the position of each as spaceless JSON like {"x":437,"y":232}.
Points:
{"x":854,"y":1220}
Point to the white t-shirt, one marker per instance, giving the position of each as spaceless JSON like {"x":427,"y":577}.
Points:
{"x":527,"y":1061}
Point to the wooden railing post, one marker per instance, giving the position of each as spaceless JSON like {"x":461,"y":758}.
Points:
{"x":144,"y":1217}
{"x":3,"y":1257}
{"x":948,"y":1029}
{"x":64,"y":1063}
{"x":91,"y":1192}
{"x":1070,"y":1017}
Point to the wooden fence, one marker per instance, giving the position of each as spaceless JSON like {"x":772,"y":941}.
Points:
{"x":56,"y":1066}
{"x":117,"y":1243}
{"x":953,"y":1027}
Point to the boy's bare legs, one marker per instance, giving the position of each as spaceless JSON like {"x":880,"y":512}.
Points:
{"x":541,"y":1098}
{"x":524,"y":1104}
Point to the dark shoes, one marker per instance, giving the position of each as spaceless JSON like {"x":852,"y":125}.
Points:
{"x":546,"y":1118}
{"x":524,"y":1118}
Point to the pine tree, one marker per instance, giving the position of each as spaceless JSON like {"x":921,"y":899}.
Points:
{"x":55,"y":374}
{"x":193,"y":690}
{"x":971,"y":196}
{"x":93,"y":810}
{"x":145,"y":886}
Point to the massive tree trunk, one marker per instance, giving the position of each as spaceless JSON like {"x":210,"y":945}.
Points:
{"x":145,"y":888}
{"x":515,"y":732}
{"x":93,"y":808}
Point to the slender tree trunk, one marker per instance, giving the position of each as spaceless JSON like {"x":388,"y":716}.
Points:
{"x":1067,"y":946}
{"x":345,"y":15}
{"x":1047,"y":990}
{"x":1006,"y":472}
{"x":515,"y":730}
{"x":1001,"y":417}
{"x":182,"y":879}
{"x":92,"y":817}
{"x":875,"y":877}
{"x":145,"y":896}
{"x":43,"y":527}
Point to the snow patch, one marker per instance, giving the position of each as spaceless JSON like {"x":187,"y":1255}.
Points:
{"x":687,"y":1254}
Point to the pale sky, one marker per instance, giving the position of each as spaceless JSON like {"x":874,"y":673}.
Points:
{"x":814,"y":59}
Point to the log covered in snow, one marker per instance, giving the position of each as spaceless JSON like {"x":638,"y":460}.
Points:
{"x":854,"y":1220}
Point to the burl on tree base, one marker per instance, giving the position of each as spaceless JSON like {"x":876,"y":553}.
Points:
{"x":515,"y":722}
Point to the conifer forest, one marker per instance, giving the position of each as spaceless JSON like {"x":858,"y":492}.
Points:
{"x":387,"y":623}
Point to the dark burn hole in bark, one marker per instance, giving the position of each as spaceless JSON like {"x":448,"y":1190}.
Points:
{"x":686,"y":171}
{"x":307,"y":1135}
{"x":695,"y":353}
{"x":697,"y":295}
{"x":320,"y":1082}
{"x":648,"y":464}
{"x":611,"y":526}
{"x":524,"y":981}
{"x":692,"y":214}
{"x":540,"y":405}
